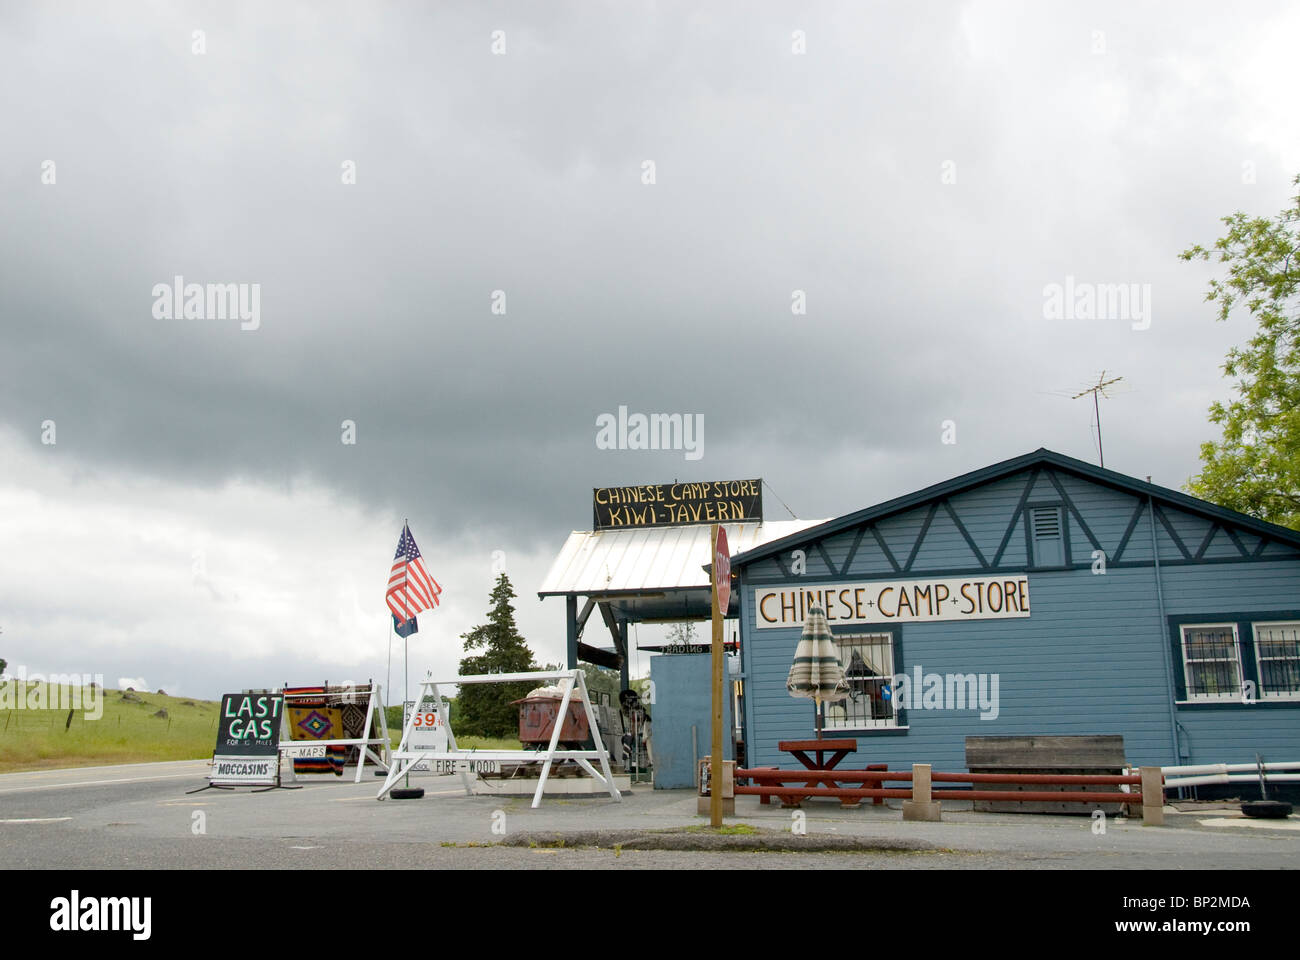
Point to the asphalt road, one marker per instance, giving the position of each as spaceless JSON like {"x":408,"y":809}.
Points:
{"x":140,"y":816}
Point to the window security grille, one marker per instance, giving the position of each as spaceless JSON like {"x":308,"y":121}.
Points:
{"x":1212,"y":661}
{"x":868,"y":662}
{"x":1277,"y":652}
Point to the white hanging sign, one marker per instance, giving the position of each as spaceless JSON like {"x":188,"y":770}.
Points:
{"x":896,"y":601}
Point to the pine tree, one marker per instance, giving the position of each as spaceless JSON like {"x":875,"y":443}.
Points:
{"x":485,"y":708}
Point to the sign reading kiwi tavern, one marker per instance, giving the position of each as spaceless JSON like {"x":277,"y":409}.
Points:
{"x":670,"y":504}
{"x":896,"y":601}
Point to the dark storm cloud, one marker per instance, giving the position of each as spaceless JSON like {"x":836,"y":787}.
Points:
{"x":522,"y":173}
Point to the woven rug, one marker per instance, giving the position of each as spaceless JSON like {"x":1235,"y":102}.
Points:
{"x":318,"y":723}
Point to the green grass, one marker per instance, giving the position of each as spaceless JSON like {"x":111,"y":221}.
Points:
{"x":467,"y":742}
{"x":126,"y":733}
{"x":488,"y":743}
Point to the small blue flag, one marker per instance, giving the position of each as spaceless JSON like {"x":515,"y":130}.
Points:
{"x":405,"y":628}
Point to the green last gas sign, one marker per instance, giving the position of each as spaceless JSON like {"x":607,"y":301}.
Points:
{"x":249,"y":725}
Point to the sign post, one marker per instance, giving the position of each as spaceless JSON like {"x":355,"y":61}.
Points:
{"x":721,"y":567}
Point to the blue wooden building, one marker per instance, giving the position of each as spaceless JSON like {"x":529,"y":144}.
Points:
{"x":1041,"y":595}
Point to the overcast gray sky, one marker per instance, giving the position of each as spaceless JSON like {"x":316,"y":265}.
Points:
{"x":920,"y":172}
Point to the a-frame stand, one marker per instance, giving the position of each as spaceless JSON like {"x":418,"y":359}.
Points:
{"x":465,"y":762}
{"x":367,"y":743}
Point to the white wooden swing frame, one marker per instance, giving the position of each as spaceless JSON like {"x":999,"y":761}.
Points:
{"x":404,"y":759}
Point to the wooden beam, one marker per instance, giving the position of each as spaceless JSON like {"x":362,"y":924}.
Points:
{"x":601,"y":658}
{"x":586,"y":612}
{"x":571,"y":630}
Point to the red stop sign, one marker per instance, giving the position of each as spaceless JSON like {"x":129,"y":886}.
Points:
{"x":722,"y":571}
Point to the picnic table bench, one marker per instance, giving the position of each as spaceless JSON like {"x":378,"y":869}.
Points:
{"x":828,"y":756}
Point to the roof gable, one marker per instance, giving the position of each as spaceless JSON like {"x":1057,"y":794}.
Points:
{"x":1192,"y":528}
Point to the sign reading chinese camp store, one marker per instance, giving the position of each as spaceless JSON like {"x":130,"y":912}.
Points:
{"x":896,"y":601}
{"x":671,"y":504}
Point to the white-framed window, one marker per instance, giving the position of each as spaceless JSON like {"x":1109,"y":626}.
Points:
{"x":868,"y":662}
{"x":1277,"y":657}
{"x":1211,"y":661}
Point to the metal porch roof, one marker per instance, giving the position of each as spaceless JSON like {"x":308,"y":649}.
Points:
{"x":651,"y":559}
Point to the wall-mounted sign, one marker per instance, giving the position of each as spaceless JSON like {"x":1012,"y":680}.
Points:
{"x":248,"y":738}
{"x":896,"y":601}
{"x":670,"y":504}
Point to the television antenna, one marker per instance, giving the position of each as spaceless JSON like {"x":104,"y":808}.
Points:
{"x":1098,"y":388}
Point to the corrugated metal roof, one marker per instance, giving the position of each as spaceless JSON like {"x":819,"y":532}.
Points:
{"x":651,"y":558}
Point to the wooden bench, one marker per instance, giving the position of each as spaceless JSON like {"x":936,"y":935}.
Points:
{"x":1098,"y":754}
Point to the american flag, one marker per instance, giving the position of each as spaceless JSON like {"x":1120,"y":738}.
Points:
{"x":410,"y":588}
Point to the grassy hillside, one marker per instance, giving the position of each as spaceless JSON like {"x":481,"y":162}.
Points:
{"x":126,"y":733}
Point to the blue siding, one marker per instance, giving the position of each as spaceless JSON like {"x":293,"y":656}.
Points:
{"x":1094,"y":657}
{"x":683,"y":700}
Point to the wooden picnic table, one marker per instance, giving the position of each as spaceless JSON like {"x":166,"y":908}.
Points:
{"x":837,"y":751}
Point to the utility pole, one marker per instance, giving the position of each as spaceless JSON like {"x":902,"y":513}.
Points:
{"x":1099,"y":388}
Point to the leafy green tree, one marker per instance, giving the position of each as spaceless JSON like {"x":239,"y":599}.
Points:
{"x":1255,"y":468}
{"x":484,"y":709}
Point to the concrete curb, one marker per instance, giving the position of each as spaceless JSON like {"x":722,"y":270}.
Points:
{"x":782,"y":841}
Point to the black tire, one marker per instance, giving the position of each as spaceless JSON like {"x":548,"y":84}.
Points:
{"x":406,"y":793}
{"x":1266,"y":809}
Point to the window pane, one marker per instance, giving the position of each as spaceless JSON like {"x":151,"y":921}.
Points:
{"x":868,"y":663}
{"x":1279,"y":677}
{"x":1213,"y":663}
{"x":1213,"y":678}
{"x":1213,"y":643}
{"x":1278,"y":647}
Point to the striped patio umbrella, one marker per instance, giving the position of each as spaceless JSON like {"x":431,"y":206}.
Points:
{"x":817,"y":672}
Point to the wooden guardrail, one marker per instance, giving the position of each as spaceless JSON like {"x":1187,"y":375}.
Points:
{"x":921,"y":800}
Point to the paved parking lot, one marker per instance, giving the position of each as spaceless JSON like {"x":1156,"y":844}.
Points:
{"x":141,"y":816}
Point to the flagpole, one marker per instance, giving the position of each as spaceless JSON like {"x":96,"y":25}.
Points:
{"x":406,"y":640}
{"x":388,"y":677}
